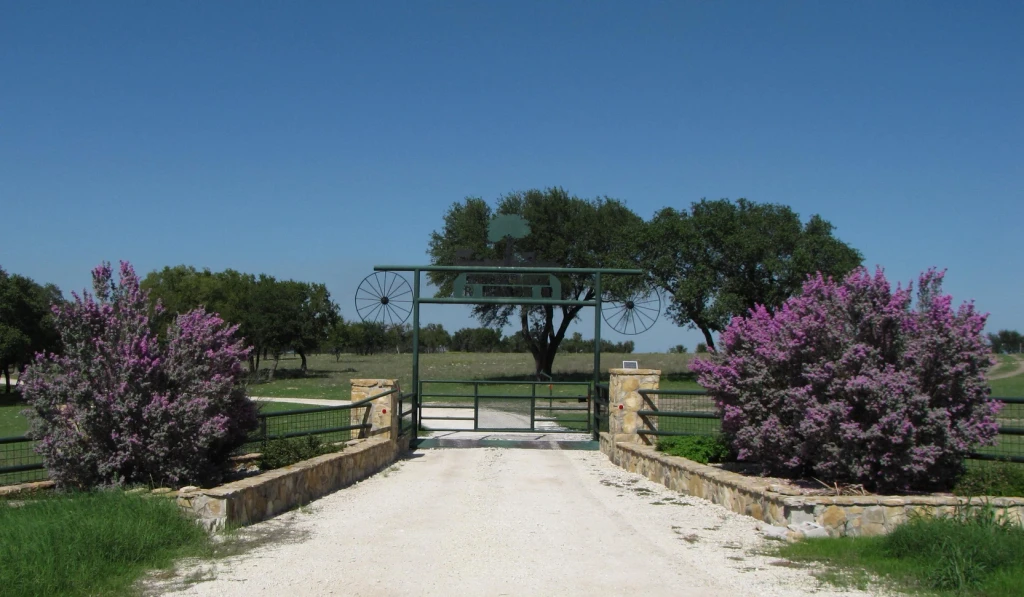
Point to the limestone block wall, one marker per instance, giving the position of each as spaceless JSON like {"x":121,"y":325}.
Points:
{"x":782,"y":506}
{"x":381,"y":413}
{"x":273,"y":492}
{"x":624,"y":400}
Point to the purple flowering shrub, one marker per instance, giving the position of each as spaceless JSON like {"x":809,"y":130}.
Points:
{"x":120,"y":407}
{"x":850,"y":382}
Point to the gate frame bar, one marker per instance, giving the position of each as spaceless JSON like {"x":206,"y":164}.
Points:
{"x":417,"y":300}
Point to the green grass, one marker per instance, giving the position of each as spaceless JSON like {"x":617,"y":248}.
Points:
{"x":91,"y":544}
{"x":1006,"y":363}
{"x":965,"y":555}
{"x":1009,"y":386}
{"x":993,"y":479}
{"x":330,"y":379}
{"x":698,"y":448}
{"x":278,"y":407}
{"x":12,"y":423}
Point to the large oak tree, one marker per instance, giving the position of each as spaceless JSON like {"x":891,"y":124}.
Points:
{"x":564,"y":230}
{"x":720,"y":258}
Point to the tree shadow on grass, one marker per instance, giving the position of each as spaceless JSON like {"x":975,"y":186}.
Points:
{"x":12,"y":399}
{"x":263,"y":375}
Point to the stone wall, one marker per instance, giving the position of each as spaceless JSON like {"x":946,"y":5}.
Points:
{"x":260,"y":497}
{"x":380,"y":413}
{"x":782,"y":506}
{"x":624,"y":401}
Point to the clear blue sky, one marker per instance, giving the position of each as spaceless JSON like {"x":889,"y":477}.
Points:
{"x":313,"y":140}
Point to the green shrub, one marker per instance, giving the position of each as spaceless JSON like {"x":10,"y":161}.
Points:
{"x":997,"y":479}
{"x":959,"y":552}
{"x":282,"y":452}
{"x":91,"y":543}
{"x":971,"y":553}
{"x":698,"y":448}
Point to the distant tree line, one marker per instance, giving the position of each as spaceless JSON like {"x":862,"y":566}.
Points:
{"x":274,"y":316}
{"x":26,"y":322}
{"x":372,"y":338}
{"x":1006,"y":342}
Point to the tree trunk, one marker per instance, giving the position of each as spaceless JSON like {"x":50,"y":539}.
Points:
{"x":277,"y":359}
{"x":7,"y":378}
{"x":707,"y":337}
{"x":302,"y":355}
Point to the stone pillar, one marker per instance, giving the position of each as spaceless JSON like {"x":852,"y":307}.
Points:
{"x":625,"y":400}
{"x":382,"y":413}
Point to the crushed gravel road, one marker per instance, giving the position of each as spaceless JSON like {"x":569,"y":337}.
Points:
{"x":490,"y":521}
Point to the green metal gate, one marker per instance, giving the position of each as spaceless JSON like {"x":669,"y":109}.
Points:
{"x":505,"y":406}
{"x":546,"y":407}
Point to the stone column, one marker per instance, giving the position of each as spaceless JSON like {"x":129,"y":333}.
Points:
{"x":382,"y":413}
{"x":624,"y":400}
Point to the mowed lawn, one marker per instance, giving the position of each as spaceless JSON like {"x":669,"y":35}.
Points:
{"x":11,"y":422}
{"x":330,"y":378}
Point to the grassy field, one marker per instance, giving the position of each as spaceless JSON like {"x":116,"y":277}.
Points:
{"x":91,"y":544}
{"x":11,"y":421}
{"x":1006,"y":364}
{"x":329,"y":378}
{"x":1010,"y":386}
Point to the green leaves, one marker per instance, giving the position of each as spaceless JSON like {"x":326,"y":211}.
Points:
{"x":273,"y":315}
{"x":560,"y":230}
{"x":719,"y":258}
{"x":26,"y":322}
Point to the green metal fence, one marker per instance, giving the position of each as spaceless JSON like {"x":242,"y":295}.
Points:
{"x":693,"y":412}
{"x":407,"y":413}
{"x":1010,"y":442}
{"x":602,"y":408}
{"x":330,"y":424}
{"x":19,"y":462}
{"x":505,"y":406}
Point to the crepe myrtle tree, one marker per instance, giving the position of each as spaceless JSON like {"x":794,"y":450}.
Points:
{"x":119,"y":406}
{"x":849,"y":382}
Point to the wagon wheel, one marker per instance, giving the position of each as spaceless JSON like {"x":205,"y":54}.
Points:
{"x":633,"y":314}
{"x":384,"y":297}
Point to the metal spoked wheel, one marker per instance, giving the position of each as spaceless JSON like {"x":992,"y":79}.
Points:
{"x":633,"y":314}
{"x":384,"y":297}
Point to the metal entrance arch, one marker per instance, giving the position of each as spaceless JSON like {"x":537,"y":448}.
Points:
{"x":471,"y":283}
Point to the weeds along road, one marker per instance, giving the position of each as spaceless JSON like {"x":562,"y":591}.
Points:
{"x":490,"y":521}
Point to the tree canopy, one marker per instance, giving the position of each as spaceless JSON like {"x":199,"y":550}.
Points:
{"x":26,"y":321}
{"x":560,"y":229}
{"x":273,"y":315}
{"x":1006,"y":342}
{"x":719,"y":259}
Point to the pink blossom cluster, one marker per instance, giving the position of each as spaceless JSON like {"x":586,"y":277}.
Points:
{"x":119,"y":406}
{"x":851,"y":382}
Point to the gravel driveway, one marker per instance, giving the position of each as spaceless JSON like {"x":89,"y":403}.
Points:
{"x":493,"y":521}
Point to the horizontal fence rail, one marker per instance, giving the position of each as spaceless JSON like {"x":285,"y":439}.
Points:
{"x":19,"y":462}
{"x":693,"y":412}
{"x":329,"y":424}
{"x":1010,"y":441}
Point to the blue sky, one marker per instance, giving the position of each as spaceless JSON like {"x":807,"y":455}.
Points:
{"x":313,"y":140}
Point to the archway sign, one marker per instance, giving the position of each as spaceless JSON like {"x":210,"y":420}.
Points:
{"x":472,"y":289}
{"x":386,"y":297}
